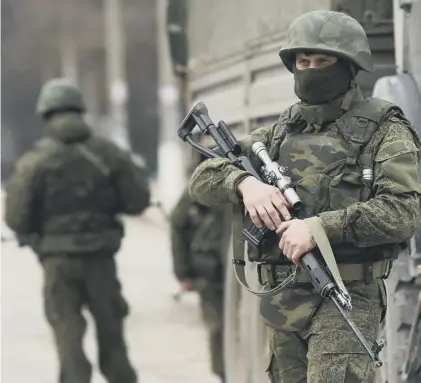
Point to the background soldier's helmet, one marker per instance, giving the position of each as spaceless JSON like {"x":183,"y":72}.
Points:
{"x":195,"y":158}
{"x":59,"y":94}
{"x":331,"y":33}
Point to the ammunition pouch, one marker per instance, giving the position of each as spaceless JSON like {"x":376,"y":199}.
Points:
{"x":262,"y":239}
{"x":273,"y":256}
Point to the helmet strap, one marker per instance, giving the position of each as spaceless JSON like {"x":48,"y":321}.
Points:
{"x":353,"y":69}
{"x":353,"y":92}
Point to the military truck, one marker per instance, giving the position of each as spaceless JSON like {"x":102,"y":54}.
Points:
{"x":402,"y":327}
{"x":226,"y":53}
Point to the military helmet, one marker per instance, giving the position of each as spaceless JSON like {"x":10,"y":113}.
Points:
{"x":195,"y":157}
{"x":328,"y":32}
{"x":59,"y":93}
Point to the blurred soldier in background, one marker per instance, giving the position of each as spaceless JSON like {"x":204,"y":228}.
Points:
{"x":62,"y":200}
{"x":199,"y":244}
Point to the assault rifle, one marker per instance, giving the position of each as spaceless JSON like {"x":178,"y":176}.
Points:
{"x":272,"y":173}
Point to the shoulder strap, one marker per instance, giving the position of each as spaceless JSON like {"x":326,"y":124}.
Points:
{"x":289,"y":117}
{"x":360,"y":122}
{"x":94,"y":159}
{"x":375,"y":109}
{"x":82,"y":148}
{"x":47,"y":143}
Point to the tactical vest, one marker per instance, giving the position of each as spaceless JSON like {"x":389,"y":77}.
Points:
{"x":208,"y":242}
{"x":207,"y":228}
{"x":78,"y":201}
{"x":327,"y":167}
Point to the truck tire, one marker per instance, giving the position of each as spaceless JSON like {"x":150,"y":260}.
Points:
{"x":402,"y":304}
{"x":412,"y":366}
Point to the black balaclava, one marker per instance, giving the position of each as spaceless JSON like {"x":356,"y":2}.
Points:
{"x":318,"y":86}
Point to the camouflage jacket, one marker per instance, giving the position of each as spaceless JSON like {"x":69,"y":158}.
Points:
{"x":68,"y":190}
{"x":390,"y":216}
{"x":199,"y":239}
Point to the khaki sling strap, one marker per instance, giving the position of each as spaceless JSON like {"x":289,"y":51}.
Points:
{"x":239,"y":263}
{"x":93,"y":159}
{"x":320,"y":237}
{"x":323,"y":244}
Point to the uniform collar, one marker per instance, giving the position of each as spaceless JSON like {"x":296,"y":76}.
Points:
{"x":324,"y":113}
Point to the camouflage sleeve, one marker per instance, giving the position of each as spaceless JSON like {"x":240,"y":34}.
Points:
{"x":181,"y":238}
{"x":393,"y":215}
{"x":132,"y":185}
{"x":20,"y":194}
{"x":214,"y":182}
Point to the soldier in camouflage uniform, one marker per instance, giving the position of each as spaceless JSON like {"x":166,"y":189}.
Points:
{"x":199,"y":241}
{"x":63,"y":200}
{"x":328,"y":140}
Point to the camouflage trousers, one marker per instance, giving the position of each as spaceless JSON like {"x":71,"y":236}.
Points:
{"x":212,"y":306}
{"x":327,"y":351}
{"x":74,"y":283}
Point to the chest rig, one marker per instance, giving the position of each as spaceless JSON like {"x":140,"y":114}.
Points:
{"x":92,"y":190}
{"x":329,"y":166}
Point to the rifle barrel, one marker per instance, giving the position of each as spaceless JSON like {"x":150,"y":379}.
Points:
{"x":372,"y":351}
